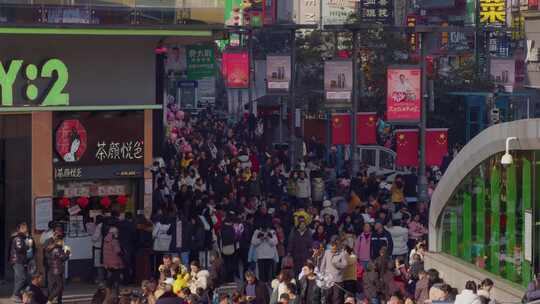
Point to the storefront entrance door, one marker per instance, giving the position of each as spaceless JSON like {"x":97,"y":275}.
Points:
{"x":15,"y":180}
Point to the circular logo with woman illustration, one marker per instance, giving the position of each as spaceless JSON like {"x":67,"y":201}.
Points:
{"x":71,"y":140}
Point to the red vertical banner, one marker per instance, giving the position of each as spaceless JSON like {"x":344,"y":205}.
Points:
{"x":403,"y":97}
{"x":436,"y":146}
{"x":341,"y":129}
{"x":236,"y":68}
{"x":269,"y":12}
{"x":407,"y":148}
{"x":366,"y":128}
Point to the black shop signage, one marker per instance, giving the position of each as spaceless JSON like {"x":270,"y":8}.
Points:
{"x":98,"y":172}
{"x":96,"y":139}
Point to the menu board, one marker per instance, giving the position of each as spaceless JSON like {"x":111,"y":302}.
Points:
{"x":43,"y":213}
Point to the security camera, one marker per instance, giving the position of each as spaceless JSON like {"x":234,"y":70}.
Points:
{"x":507,"y":159}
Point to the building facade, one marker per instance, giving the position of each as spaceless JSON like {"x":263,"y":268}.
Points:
{"x":82,"y":87}
{"x":483,"y":213}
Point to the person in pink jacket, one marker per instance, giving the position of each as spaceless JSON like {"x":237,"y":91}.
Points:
{"x":112,"y":259}
{"x":417,"y":231}
{"x":363,"y":246}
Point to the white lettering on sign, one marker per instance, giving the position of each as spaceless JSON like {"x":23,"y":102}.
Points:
{"x":308,"y":12}
{"x":129,"y":150}
{"x":532,"y":52}
{"x":60,"y":173}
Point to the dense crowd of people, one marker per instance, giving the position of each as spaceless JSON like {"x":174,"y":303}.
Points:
{"x":228,"y":209}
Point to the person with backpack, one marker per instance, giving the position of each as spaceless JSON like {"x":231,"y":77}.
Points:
{"x":228,"y":247}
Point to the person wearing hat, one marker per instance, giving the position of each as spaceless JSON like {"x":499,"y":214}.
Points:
{"x":301,"y":212}
{"x":328,"y":209}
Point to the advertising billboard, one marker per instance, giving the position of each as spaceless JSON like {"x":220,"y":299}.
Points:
{"x":380,"y":11}
{"x":236,"y":68}
{"x":278,"y":73}
{"x":337,"y":12}
{"x":307,"y":11}
{"x":338,"y":82}
{"x":492,"y":12}
{"x":503,"y":72}
{"x":403,"y":100}
{"x":200,"y":62}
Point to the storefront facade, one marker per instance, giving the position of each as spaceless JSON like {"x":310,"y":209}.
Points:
{"x":484,"y":222}
{"x":75,"y":134}
{"x":483,"y":213}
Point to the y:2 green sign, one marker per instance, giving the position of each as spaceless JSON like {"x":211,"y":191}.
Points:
{"x":52,"y":68}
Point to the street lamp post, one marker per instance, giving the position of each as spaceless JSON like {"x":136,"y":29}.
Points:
{"x":292,"y":97}
{"x":355,"y":165}
{"x":422,"y":179}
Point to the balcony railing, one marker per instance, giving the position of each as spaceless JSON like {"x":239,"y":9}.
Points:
{"x":111,"y":12}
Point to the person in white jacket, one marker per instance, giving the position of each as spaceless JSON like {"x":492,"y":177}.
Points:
{"x":303,"y":187}
{"x":332,"y":267}
{"x":400,"y":236}
{"x":468,"y":295}
{"x":264,"y":242}
{"x":198,"y":278}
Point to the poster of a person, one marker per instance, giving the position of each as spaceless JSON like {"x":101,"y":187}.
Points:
{"x":404,"y":89}
{"x":176,"y":60}
{"x":403,"y":93}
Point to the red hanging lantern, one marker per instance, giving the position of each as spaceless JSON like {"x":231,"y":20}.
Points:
{"x":121,"y":200}
{"x":64,"y":202}
{"x":83,"y":202}
{"x":105,"y":202}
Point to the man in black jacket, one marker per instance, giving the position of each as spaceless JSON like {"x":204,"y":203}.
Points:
{"x":57,"y":255}
{"x":380,"y":238}
{"x":255,"y":291}
{"x":310,"y":292}
{"x":21,"y":251}
{"x":128,"y":241}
